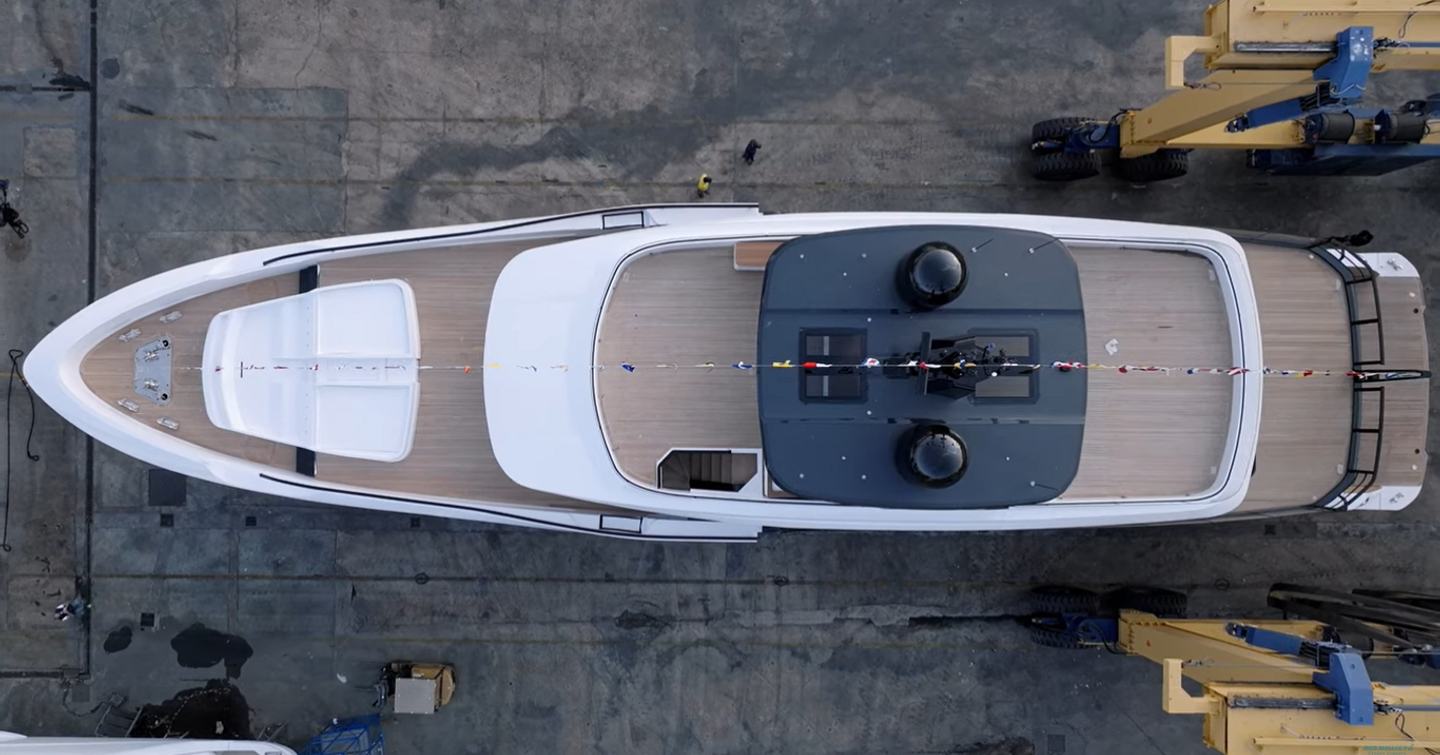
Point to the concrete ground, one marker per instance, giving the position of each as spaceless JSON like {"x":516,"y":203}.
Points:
{"x":145,"y":134}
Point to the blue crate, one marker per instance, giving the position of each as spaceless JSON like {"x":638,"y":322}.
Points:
{"x":352,"y":736}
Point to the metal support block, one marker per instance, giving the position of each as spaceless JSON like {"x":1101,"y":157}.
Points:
{"x":1348,"y":679}
{"x":1350,"y":69}
{"x":1178,"y":49}
{"x":1174,"y":699}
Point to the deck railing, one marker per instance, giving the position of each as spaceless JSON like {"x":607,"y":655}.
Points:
{"x":1367,"y":406}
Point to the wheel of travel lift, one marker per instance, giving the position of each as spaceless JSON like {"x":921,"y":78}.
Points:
{"x":1050,"y":163}
{"x":1160,"y":165}
{"x":1058,"y":599}
{"x":1166,"y":604}
{"x":1064,"y":166}
{"x":1056,"y":129}
{"x":1048,"y":604}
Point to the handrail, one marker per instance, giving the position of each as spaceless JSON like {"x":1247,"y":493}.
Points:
{"x":1354,"y":272}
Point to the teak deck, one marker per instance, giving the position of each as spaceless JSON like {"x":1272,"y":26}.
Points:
{"x":1152,"y":434}
{"x":686,"y":307}
{"x":1304,"y":422}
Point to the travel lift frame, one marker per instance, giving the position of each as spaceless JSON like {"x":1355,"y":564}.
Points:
{"x":1286,"y":79}
{"x":1283,"y":687}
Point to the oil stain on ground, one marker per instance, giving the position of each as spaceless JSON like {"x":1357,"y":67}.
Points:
{"x":198,"y":646}
{"x":215,"y":711}
{"x":118,"y":639}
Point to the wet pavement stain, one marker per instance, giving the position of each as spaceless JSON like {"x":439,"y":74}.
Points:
{"x":642,"y":620}
{"x":118,"y":639}
{"x":215,"y":711}
{"x":198,"y":646}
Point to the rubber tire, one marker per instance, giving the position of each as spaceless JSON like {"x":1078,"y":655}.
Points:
{"x":1161,"y":165}
{"x":1064,"y":166}
{"x":1056,"y":128}
{"x":1053,"y":600}
{"x":1166,"y":604}
{"x":1045,"y":636}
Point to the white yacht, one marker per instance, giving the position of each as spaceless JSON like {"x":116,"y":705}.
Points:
{"x":17,"y":744}
{"x":705,"y":372}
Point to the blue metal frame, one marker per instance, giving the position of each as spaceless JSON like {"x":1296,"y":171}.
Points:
{"x":1342,"y":82}
{"x":1350,"y":69}
{"x":1350,"y":681}
{"x":1342,"y":671}
{"x":1342,"y":159}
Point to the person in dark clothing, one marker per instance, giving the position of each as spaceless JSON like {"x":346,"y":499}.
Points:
{"x":9,"y":215}
{"x":750,"y":150}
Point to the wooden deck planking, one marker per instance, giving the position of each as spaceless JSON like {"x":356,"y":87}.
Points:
{"x":1152,"y":434}
{"x":451,"y":455}
{"x":109,"y":371}
{"x":1404,"y":451}
{"x":685,"y":307}
{"x":1304,"y":423}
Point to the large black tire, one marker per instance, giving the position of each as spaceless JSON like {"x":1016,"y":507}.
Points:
{"x":1047,"y":635}
{"x":1166,"y":604}
{"x":1063,"y":166}
{"x":1045,"y":625}
{"x":1057,"y":128}
{"x":1057,"y":599}
{"x":1161,"y":165}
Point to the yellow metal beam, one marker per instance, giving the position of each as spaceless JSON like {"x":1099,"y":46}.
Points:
{"x":1343,"y":6}
{"x":1256,"y":21}
{"x":1283,"y":135}
{"x":1178,"y":49}
{"x":1239,"y":727}
{"x":1217,"y":99}
{"x":1211,"y":655}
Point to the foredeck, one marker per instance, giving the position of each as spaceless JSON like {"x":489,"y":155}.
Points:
{"x":109,"y":370}
{"x":1146,"y":434}
{"x":451,"y":456}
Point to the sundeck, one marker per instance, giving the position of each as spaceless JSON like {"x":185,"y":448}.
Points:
{"x":705,"y":371}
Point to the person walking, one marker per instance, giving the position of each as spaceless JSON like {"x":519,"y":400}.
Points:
{"x":702,"y":187}
{"x":749,"y":154}
{"x":74,"y":609}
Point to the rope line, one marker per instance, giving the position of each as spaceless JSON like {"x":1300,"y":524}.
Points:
{"x":1023,"y":368}
{"x":15,"y":355}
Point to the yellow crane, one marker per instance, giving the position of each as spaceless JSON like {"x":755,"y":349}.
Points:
{"x":1279,"y":687}
{"x":1285,"y":82}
